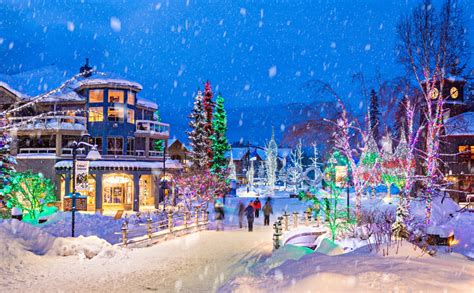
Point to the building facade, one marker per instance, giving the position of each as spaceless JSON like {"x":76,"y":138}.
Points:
{"x":457,"y":147}
{"x":107,"y":113}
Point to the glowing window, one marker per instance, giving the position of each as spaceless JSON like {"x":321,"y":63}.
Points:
{"x":130,"y":116}
{"x":131,"y":98}
{"x":116,"y":96}
{"x":96,"y":96}
{"x":96,"y":114}
{"x":115,"y":114}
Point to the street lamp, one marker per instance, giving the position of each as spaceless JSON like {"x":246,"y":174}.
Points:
{"x":92,"y":155}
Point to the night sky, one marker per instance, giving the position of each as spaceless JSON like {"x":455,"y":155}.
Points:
{"x":257,"y":55}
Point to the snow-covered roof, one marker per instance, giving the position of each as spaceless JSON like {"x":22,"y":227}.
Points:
{"x":173,"y":140}
{"x":170,"y":164}
{"x":454,"y":78}
{"x":88,"y":82}
{"x":284,"y":152}
{"x":239,"y":152}
{"x":462,"y":124}
{"x":10,"y":89}
{"x":64,"y":96}
{"x":147,"y":103}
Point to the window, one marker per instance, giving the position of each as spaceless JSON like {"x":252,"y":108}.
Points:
{"x":96,"y":114}
{"x":131,"y":98}
{"x":115,"y":96}
{"x":466,"y":151}
{"x":131,"y":146}
{"x":116,"y":114}
{"x":96,"y":141}
{"x":96,"y":96}
{"x":115,"y":145}
{"x":130,"y":116}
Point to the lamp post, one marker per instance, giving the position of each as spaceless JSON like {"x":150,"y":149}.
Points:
{"x":92,"y":155}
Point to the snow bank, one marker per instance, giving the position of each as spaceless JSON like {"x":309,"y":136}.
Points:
{"x":20,"y":235}
{"x":104,"y":227}
{"x":88,"y":247}
{"x":20,"y":240}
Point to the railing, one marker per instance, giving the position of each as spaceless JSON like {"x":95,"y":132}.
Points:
{"x":48,"y":150}
{"x":282,"y":224}
{"x":175,"y":224}
{"x":141,"y":153}
{"x":151,"y":127}
{"x":37,"y":150}
{"x":49,"y":122}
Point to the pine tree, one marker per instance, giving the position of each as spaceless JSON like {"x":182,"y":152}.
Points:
{"x":220,"y":144}
{"x":198,"y":136}
{"x":374,"y":114}
{"x":208,"y":128}
{"x":401,"y":117}
{"x":7,"y":161}
{"x":158,"y":144}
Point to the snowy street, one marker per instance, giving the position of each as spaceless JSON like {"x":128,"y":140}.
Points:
{"x":199,"y":262}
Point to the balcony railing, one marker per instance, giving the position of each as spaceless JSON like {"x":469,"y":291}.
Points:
{"x":152,"y":127}
{"x":49,"y":123}
{"x":49,"y":150}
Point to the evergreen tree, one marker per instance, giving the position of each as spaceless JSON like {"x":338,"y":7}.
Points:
{"x":374,"y":114}
{"x":401,"y":117}
{"x":198,"y":136}
{"x":7,"y":161}
{"x":220,"y":144}
{"x":158,"y":144}
{"x":208,"y":128}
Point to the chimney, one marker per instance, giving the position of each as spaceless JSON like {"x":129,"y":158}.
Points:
{"x":86,"y":68}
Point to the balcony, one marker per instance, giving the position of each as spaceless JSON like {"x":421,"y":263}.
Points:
{"x":67,"y":125}
{"x":46,"y":151}
{"x":152,"y":129}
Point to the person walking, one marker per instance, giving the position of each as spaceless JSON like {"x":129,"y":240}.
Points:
{"x":241,"y":212}
{"x":257,"y":206}
{"x":267,"y":211}
{"x":219,"y":211}
{"x":249,"y":212}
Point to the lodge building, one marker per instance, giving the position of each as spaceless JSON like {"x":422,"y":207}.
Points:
{"x":104,"y":112}
{"x":457,"y":146}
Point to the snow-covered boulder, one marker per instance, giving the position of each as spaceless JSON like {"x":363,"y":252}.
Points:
{"x":88,"y":247}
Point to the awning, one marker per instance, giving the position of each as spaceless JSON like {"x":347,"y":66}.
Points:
{"x":123,"y":165}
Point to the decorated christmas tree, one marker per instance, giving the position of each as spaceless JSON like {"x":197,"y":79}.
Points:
{"x":231,"y":168}
{"x":271,"y":151}
{"x":208,"y":105}
{"x":198,"y":138}
{"x":7,"y":161}
{"x":159,"y":144}
{"x":219,"y":140}
{"x":370,"y":163}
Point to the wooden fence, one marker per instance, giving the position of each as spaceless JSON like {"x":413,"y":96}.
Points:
{"x":175,"y":224}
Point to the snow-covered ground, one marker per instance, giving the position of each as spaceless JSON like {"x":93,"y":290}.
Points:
{"x":233,"y":260}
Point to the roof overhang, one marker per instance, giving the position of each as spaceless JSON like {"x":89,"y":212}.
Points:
{"x":123,"y":165}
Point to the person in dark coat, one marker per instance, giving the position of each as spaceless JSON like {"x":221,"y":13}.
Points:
{"x":249,"y":212}
{"x":219,"y":211}
{"x":257,"y":205}
{"x":241,"y":213}
{"x":267,"y":211}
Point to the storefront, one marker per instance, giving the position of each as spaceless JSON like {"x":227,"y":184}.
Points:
{"x":115,"y":185}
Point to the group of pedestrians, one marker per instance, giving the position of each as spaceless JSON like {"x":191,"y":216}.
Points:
{"x":252,"y":211}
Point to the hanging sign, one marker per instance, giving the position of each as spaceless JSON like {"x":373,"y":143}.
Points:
{"x":82,"y":171}
{"x":341,"y":176}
